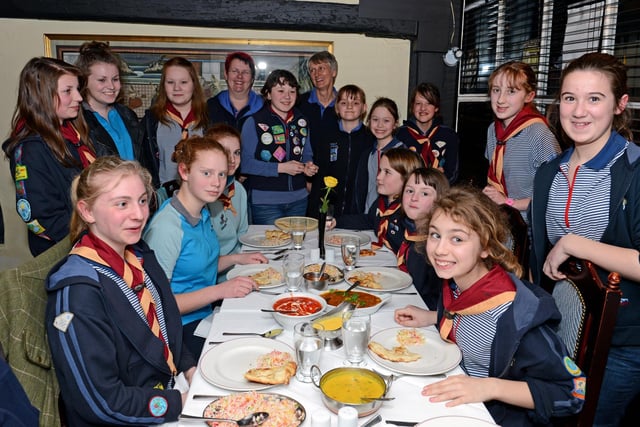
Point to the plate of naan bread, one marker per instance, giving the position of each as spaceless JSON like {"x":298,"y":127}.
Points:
{"x":245,"y":364}
{"x":413,"y":351}
{"x":265,"y":275}
{"x":379,"y":279}
{"x":267,"y":239}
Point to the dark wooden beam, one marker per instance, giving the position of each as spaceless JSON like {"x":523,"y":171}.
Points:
{"x":247,"y":14}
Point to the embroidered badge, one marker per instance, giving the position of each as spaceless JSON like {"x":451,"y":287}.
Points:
{"x":435,"y":153}
{"x":280,"y":154}
{"x":158,"y":386}
{"x":20,"y":190}
{"x":303,"y":131}
{"x":35,"y":227}
{"x":571,"y":367}
{"x":280,"y":139}
{"x":302,"y":122}
{"x":297,"y":150}
{"x":263,"y":126}
{"x":440,"y":144}
{"x":24,"y":209}
{"x":21,"y":173}
{"x":158,"y":406}
{"x":62,"y":321}
{"x":579,"y":387}
{"x":265,"y":155}
{"x":266,"y":138}
{"x":277,"y":129}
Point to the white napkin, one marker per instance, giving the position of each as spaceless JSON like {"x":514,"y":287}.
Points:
{"x":241,"y":322}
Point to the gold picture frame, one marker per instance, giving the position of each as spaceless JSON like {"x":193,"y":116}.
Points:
{"x":143,"y":57}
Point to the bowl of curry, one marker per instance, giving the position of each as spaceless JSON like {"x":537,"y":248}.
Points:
{"x":353,"y":387}
{"x":365,"y":302}
{"x":296,"y":307}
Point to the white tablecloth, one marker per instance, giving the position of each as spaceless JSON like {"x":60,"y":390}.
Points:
{"x":242,"y":315}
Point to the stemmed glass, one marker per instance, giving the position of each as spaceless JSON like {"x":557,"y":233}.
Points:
{"x":298,"y":228}
{"x":350,"y":247}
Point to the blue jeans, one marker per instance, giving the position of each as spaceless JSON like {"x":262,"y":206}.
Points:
{"x":267,"y":214}
{"x":620,"y":385}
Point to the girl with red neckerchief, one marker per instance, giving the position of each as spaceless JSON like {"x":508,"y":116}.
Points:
{"x":519,"y":140}
{"x":112,"y":321}
{"x":514,"y":361}
{"x":48,"y":146}
{"x":179,"y":111}
{"x":385,"y":215}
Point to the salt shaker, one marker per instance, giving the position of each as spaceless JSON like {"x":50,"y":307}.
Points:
{"x":347,"y":417}
{"x":320,"y":419}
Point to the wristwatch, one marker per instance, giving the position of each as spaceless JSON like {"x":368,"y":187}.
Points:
{"x":509,"y":201}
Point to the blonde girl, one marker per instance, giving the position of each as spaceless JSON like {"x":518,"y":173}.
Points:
{"x":523,"y":372}
{"x":185,"y":243}
{"x":110,"y":307}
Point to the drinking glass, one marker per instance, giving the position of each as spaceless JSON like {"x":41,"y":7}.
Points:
{"x":298,"y":229}
{"x":350,"y":247}
{"x":292,"y":267}
{"x":308,"y":344}
{"x":355,"y":337}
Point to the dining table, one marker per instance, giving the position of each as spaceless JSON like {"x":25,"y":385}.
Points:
{"x":243,"y":315}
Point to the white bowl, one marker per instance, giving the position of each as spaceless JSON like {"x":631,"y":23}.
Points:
{"x":288,"y":320}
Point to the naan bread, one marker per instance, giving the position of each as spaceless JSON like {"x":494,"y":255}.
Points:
{"x":367,"y":252}
{"x":267,"y":276}
{"x":410,"y":337}
{"x":396,"y":354}
{"x":276,"y":367}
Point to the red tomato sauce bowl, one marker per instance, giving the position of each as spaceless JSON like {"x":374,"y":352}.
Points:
{"x":304,"y":306}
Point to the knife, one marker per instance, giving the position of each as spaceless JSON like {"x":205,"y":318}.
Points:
{"x":373,"y":421}
{"x":402,"y":423}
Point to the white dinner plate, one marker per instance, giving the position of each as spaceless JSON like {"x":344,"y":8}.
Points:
{"x":283,"y":223}
{"x":455,"y":421}
{"x":367,"y":310}
{"x":259,"y":240}
{"x":225,"y":364}
{"x":248,"y":270}
{"x":390,"y":279}
{"x":334,"y":238}
{"x":437,"y":356}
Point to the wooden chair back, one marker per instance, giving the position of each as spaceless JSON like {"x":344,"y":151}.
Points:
{"x":589,"y":309}
{"x":519,"y":239}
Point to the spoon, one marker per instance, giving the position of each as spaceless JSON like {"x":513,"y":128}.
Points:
{"x":322,"y":268}
{"x":254,"y":419}
{"x":266,"y":310}
{"x":269,"y":334}
{"x":371,"y":399}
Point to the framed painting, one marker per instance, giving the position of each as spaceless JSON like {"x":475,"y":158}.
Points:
{"x":143,"y":57}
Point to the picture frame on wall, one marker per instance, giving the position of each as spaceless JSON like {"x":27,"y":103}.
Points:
{"x":143,"y":57}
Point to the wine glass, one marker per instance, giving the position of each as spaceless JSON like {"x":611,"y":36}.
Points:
{"x":298,"y":228}
{"x":350,"y":247}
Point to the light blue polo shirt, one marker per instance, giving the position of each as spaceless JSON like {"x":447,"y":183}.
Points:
{"x":186,"y":248}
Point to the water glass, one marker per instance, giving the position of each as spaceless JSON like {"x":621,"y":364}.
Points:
{"x":298,"y":230}
{"x":350,"y":247}
{"x":355,"y":336}
{"x":292,"y":268}
{"x":308,"y":345}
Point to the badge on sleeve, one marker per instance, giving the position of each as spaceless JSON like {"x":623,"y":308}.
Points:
{"x":35,"y":227}
{"x":24,"y":209}
{"x":158,"y":406}
{"x":571,"y":367}
{"x":21,"y":173}
{"x":62,"y":321}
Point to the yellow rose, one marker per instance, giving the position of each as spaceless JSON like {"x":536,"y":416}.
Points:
{"x":330,"y":181}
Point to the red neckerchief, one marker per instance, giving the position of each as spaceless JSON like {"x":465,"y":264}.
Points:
{"x":384,"y":212}
{"x":130,"y":269}
{"x":525,"y":118}
{"x":226,"y":198}
{"x":71,"y":134}
{"x":430,"y":159}
{"x":493,"y":289}
{"x":177,"y":117}
{"x":403,"y":253}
